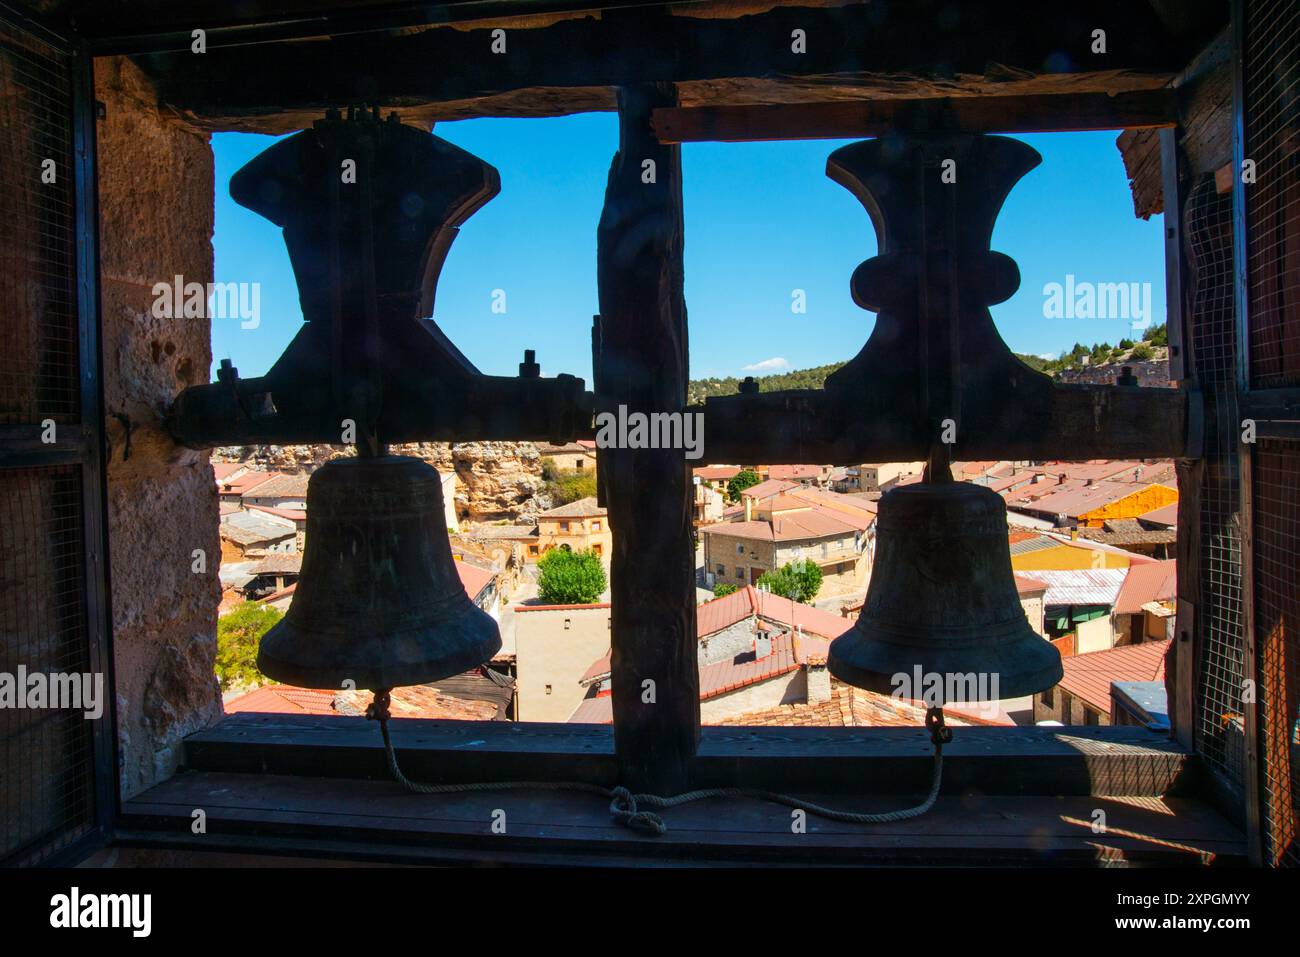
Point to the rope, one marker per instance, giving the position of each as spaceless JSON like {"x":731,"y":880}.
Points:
{"x":626,"y":807}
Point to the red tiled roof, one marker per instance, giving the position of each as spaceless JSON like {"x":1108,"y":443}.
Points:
{"x":713,"y":616}
{"x":786,"y":472}
{"x":1089,"y":676}
{"x":241,"y":484}
{"x":835,"y":501}
{"x":1029,"y":586}
{"x":415,"y":701}
{"x":283,"y":699}
{"x":1157,"y":581}
{"x":850,"y":707}
{"x":223,"y":469}
{"x":715,"y":473}
{"x":474,"y":579}
{"x":294,"y":514}
{"x":768,"y":488}
{"x":582,"y":508}
{"x":1081,"y":499}
{"x":279,"y":485}
{"x":723,"y":676}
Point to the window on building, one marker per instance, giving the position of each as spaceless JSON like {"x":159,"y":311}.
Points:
{"x":1049,"y":698}
{"x":1091,"y":717}
{"x":1065,"y":706}
{"x":740,"y":549}
{"x":740,"y":573}
{"x":595,"y":525}
{"x":722,"y":569}
{"x":564,"y":526}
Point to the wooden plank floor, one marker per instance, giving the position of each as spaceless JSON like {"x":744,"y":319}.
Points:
{"x":378,"y":819}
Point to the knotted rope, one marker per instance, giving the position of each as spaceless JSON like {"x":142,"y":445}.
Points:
{"x":627,"y":808}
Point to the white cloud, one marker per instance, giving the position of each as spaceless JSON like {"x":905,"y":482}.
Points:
{"x":767,"y":365}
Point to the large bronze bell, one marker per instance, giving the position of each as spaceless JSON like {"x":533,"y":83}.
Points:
{"x":942,"y":621}
{"x":378,"y":602}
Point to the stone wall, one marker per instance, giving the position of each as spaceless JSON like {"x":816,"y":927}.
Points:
{"x":498,"y":480}
{"x":156,"y":211}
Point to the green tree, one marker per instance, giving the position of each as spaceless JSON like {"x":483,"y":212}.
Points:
{"x":570,"y":578}
{"x":745,"y":478}
{"x":799,"y":580}
{"x":723,"y":588}
{"x":1157,"y":335}
{"x":1141,"y":352}
{"x":238,"y":634}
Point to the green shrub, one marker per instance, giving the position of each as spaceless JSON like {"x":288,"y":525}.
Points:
{"x":569,"y":485}
{"x":1141,"y":353}
{"x":724,"y":588}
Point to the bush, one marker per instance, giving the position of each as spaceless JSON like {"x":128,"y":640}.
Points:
{"x":745,"y":478}
{"x":238,"y":635}
{"x":1141,"y":353}
{"x":570,"y":578}
{"x":724,"y":588}
{"x":569,"y":485}
{"x":798,"y":581}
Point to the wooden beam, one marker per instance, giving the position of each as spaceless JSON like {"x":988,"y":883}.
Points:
{"x":1067,"y":422}
{"x":850,"y":51}
{"x":640,"y":363}
{"x":1043,"y":113}
{"x":1083,"y":760}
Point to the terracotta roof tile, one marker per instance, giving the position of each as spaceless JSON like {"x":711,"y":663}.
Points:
{"x":1089,"y":676}
{"x":1157,"y":581}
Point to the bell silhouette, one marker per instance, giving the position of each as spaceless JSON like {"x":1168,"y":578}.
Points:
{"x":942,"y":621}
{"x":378,"y":602}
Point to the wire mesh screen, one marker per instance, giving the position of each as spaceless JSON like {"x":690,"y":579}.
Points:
{"x":1277,"y":637}
{"x":1220,"y":725}
{"x":38,"y":335}
{"x":47,"y":784}
{"x":48,"y":789}
{"x":1272,"y":125}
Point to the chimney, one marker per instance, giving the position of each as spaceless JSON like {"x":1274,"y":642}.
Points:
{"x":1060,"y":479}
{"x":819,"y":681}
{"x":762,"y":645}
{"x":1089,"y":483}
{"x":749,"y":507}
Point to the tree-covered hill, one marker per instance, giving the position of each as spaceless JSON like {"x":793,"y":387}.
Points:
{"x":1151,"y":347}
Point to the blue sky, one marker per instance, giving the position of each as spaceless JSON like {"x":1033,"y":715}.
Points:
{"x":762,"y":220}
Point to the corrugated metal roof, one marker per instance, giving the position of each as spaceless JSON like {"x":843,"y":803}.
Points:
{"x":246,"y":528}
{"x":1085,"y":586}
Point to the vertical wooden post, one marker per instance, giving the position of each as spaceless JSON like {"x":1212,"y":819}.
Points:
{"x":640,"y":355}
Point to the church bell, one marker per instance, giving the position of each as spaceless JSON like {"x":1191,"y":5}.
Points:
{"x":378,"y":603}
{"x":942,"y":608}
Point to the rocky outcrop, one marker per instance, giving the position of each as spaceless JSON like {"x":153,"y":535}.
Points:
{"x":498,"y":480}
